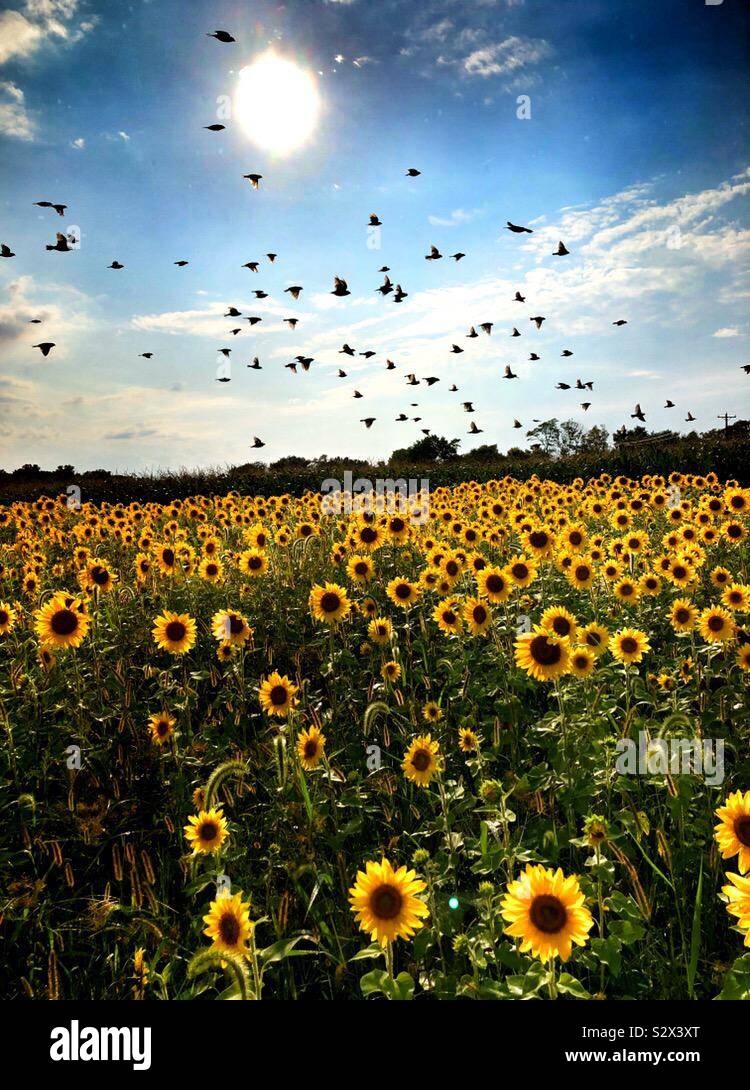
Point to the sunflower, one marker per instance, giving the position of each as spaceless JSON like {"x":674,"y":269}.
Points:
{"x":547,"y":912}
{"x":432,"y":712}
{"x":311,"y":746}
{"x":422,"y":760}
{"x":626,"y":590}
{"x":252,"y":562}
{"x":211,"y":570}
{"x":596,"y":637}
{"x":229,"y":925}
{"x":230,"y":627}
{"x":385,"y":902}
{"x":581,"y":662}
{"x":402,"y":592}
{"x":166,"y":558}
{"x":540,"y":656}
{"x":743,"y":657}
{"x":716,"y":625}
{"x":732,"y":834}
{"x":380,"y":630}
{"x":161,"y":725}
{"x":329,"y":604}
{"x":97,"y":576}
{"x":468,"y":740}
{"x":277,"y":695}
{"x":62,"y":622}
{"x":580,"y":574}
{"x":448,"y":617}
{"x":174,"y":632}
{"x":493,"y":584}
{"x":629,"y":645}
{"x":521,"y":571}
{"x":736,"y":597}
{"x":738,"y":896}
{"x":477,"y":615}
{"x":207,"y":831}
{"x":8,"y":618}
{"x":390,"y":671}
{"x":360,"y":569}
{"x":226,"y":651}
{"x":682,"y":615}
{"x":558,"y":623}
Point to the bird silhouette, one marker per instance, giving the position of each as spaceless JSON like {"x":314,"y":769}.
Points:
{"x":401,"y":417}
{"x":566,"y":352}
{"x":585,"y":405}
{"x":386,"y":287}
{"x":253,"y":179}
{"x":689,"y":417}
{"x":115,"y":265}
{"x":368,"y":421}
{"x":538,"y":319}
{"x":431,"y":380}
{"x":63,"y":243}
{"x":59,"y":208}
{"x":257,"y":443}
{"x":224,"y":378}
{"x":433,"y":255}
{"x":745,"y":367}
{"x":5,"y":250}
{"x":472,"y":334}
{"x":669,"y":404}
{"x":486,"y":327}
{"x":291,"y":322}
{"x":253,"y":320}
{"x":45,"y":347}
{"x":561,"y":251}
{"x":533,"y":358}
{"x":638,"y":414}
{"x":412,"y":172}
{"x":384,"y":269}
{"x":400,"y":295}
{"x":473,"y":429}
{"x":291,"y":367}
{"x":457,"y":256}
{"x":508,"y":372}
{"x":234,"y":332}
{"x":222,"y":36}
{"x":233,"y":313}
{"x":518,"y":230}
{"x":468,"y":407}
{"x":518,"y":298}
{"x":357,"y":394}
{"x":562,"y":386}
{"x":271,"y":257}
{"x":146,"y":355}
{"x":342,"y":374}
{"x":455,"y":349}
{"x":225,"y":352}
{"x":374,"y":221}
{"x":181,"y":264}
{"x":412,"y":380}
{"x":259,"y":294}
{"x":216,"y":128}
{"x":368,"y":354}
{"x":390,"y":365}
{"x":621,"y":321}
{"x":294,"y":291}
{"x":517,"y":424}
{"x":255,"y":365}
{"x":340,"y":287}
{"x":515,"y":332}
{"x":251,"y":265}
{"x":346,"y":350}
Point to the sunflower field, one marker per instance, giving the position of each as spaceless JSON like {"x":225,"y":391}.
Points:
{"x":490,"y":743}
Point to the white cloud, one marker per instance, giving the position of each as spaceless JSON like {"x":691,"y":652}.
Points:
{"x":506,"y":57}
{"x":14,"y":117}
{"x":728,"y":331}
{"x":457,"y":217}
{"x":78,"y":143}
{"x":23,"y":32}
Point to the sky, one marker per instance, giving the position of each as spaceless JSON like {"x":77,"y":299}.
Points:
{"x":617,"y":126}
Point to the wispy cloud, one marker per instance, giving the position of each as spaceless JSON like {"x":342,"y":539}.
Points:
{"x":14,"y":117}
{"x":23,"y":32}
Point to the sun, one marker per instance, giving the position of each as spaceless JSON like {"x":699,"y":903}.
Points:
{"x":276,"y":103}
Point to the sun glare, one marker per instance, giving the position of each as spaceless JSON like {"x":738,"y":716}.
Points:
{"x":276,"y":103}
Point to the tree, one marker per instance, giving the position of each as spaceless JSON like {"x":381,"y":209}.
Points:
{"x":433,"y":448}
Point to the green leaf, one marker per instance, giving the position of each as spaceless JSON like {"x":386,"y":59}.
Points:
{"x":608,"y":951}
{"x":284,"y":948}
{"x":695,"y":937}
{"x":737,"y":981}
{"x":568,"y":985}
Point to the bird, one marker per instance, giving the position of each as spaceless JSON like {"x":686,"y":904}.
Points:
{"x":638,"y":414}
{"x":745,"y":367}
{"x":63,"y":244}
{"x":271,"y":257}
{"x":368,"y":421}
{"x":621,"y":321}
{"x":515,"y":332}
{"x":425,"y":431}
{"x":253,"y":179}
{"x":216,"y":128}
{"x":472,"y":333}
{"x":384,"y":269}
{"x":538,"y":319}
{"x":291,"y":322}
{"x":566,"y":352}
{"x":59,"y":208}
{"x":584,"y":385}
{"x":508,"y":372}
{"x":224,"y":378}
{"x":455,"y":349}
{"x":222,"y":36}
{"x":251,"y":265}
{"x":368,"y":354}
{"x":342,"y":374}
{"x":45,"y":347}
{"x":401,"y":417}
{"x":339,"y":287}
{"x":390,"y":365}
{"x":291,"y":367}
{"x":518,"y":230}
{"x":561,"y":251}
{"x":357,"y":394}
{"x":533,"y":358}
{"x":473,"y":429}
{"x":35,"y":321}
{"x":486,"y":327}
{"x":260,"y":294}
{"x":585,"y":405}
{"x":5,"y":250}
{"x":400,"y":294}
{"x":385,"y":287}
{"x":374,"y":221}
{"x":453,"y":389}
{"x":689,"y":417}
{"x":234,"y":332}
{"x":115,"y":265}
{"x":412,"y":380}
{"x":181,"y":264}
{"x":233,"y":313}
{"x":257,"y":443}
{"x":431,"y":380}
{"x":469,"y":407}
{"x":412,"y":172}
{"x":346,"y":350}
{"x":562,"y":386}
{"x":255,"y":365}
{"x":146,"y":355}
{"x":518,"y":298}
{"x":433,"y":255}
{"x":225,"y":352}
{"x":306,"y":361}
{"x":457,"y":256}
{"x":254,"y":320}
{"x":294,"y":291}
{"x":669,"y":404}
{"x":517,"y":424}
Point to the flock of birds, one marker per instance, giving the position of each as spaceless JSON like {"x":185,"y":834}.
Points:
{"x":66,"y":242}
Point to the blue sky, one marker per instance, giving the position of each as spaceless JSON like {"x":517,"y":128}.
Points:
{"x":635,"y":154}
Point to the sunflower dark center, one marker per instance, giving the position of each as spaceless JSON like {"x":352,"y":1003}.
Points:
{"x":520,"y":571}
{"x":4,"y":618}
{"x":538,"y":539}
{"x":361,"y":568}
{"x":544,"y":652}
{"x":64,"y":622}
{"x":311,"y":748}
{"x":449,"y":616}
{"x":495,"y":583}
{"x":403,"y":590}
{"x":576,"y":537}
{"x":561,"y":626}
{"x":162,"y":727}
{"x":209,"y":831}
{"x":397,"y":525}
{"x":175,"y":631}
{"x":168,"y":556}
{"x":229,"y":929}
{"x":742,"y":830}
{"x":583,"y":572}
{"x":626,"y":590}
{"x":593,"y":639}
{"x":99,"y":575}
{"x":421,"y":760}
{"x":479,"y":613}
{"x":716,"y":623}
{"x":278,"y":695}
{"x":330,"y":602}
{"x":628,"y":645}
{"x":548,"y":914}
{"x":682,"y":616}
{"x":368,"y":535}
{"x":385,"y":902}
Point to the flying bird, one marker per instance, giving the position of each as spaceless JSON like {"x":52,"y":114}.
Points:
{"x":368,"y":354}
{"x":255,"y":365}
{"x":566,"y":352}
{"x":638,"y":414}
{"x":181,"y":264}
{"x":385,"y":287}
{"x":357,"y":394}
{"x":63,"y":244}
{"x":585,"y":405}
{"x":621,"y":321}
{"x":518,"y":230}
{"x":533,"y":358}
{"x":260,"y":294}
{"x":538,"y":319}
{"x":562,"y":386}
{"x":251,"y":265}
{"x":374,"y":221}
{"x":390,"y":365}
{"x":347,"y":350}
{"x":257,"y":443}
{"x":400,"y":294}
{"x":45,"y":347}
{"x":233,"y":313}
{"x":517,"y":424}
{"x":59,"y":208}
{"x":515,"y":332}
{"x":669,"y":404}
{"x":5,"y":251}
{"x":486,"y":327}
{"x":294,"y":291}
{"x":508,"y":372}
{"x":339,"y":287}
{"x":433,"y":255}
{"x":561,"y":251}
{"x":254,"y":320}
{"x":431,"y":380}
{"x":472,"y":333}
{"x":453,"y":389}
{"x":473,"y":429}
{"x":115,"y":265}
{"x":457,"y":256}
{"x":253,"y":179}
{"x":455,"y":349}
{"x":146,"y":355}
{"x":745,"y":367}
{"x":271,"y":257}
{"x":401,"y":417}
{"x":412,"y":172}
{"x":412,"y":380}
{"x":689,"y":417}
{"x":468,"y":407}
{"x":368,"y":421}
{"x":222,"y":36}
{"x":216,"y":128}
{"x":518,"y":298}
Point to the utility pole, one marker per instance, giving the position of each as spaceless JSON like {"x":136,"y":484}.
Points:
{"x":726,"y":417}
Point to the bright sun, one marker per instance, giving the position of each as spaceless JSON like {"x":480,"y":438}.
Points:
{"x":276,"y":103}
